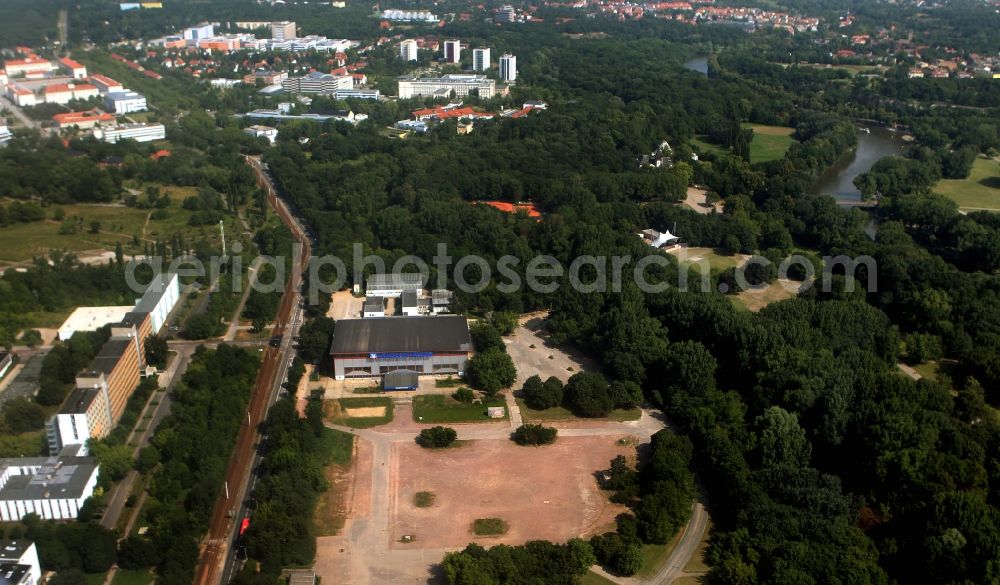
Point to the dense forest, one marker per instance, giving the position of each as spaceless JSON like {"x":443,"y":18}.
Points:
{"x":822,"y":462}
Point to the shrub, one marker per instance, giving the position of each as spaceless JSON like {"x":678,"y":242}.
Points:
{"x":424,"y":499}
{"x":464,"y":395}
{"x":532,"y":434}
{"x":437,"y":437}
{"x":541,"y":395}
{"x":489,"y":526}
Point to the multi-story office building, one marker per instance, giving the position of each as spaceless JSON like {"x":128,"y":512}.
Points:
{"x":408,"y":50}
{"x":508,"y":67}
{"x":137,"y":132}
{"x":357,"y":94}
{"x":505,"y":14}
{"x":54,"y":488}
{"x":199,"y":31}
{"x":317,"y":82}
{"x":453,"y":51}
{"x":481,"y":59}
{"x":86,"y":414}
{"x":125,"y":102}
{"x":283,"y":31}
{"x":443,"y":87}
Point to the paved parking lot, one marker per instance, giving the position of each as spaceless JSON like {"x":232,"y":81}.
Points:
{"x":543,"y":359}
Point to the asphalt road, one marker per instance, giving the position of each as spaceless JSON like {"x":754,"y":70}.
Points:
{"x":122,"y":490}
{"x":217,"y":558}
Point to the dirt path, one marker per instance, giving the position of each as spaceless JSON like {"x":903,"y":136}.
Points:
{"x":697,"y":199}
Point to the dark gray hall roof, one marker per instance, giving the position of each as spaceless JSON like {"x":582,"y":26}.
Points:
{"x":401,"y":334}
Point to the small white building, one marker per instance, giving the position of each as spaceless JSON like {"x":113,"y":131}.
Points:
{"x":22,"y":552}
{"x":54,"y":488}
{"x":21,"y":96}
{"x":75,"y":70}
{"x":258,"y":131}
{"x":125,"y":102}
{"x":373,"y":307}
{"x":409,"y":304}
{"x":91,"y":319}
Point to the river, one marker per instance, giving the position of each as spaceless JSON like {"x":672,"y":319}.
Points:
{"x":698,"y":64}
{"x":838,"y":180}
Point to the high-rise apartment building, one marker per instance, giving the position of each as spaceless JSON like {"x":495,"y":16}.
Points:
{"x":408,"y":50}
{"x":508,"y":68}
{"x":481,"y":59}
{"x":283,"y":31}
{"x":453,"y":51}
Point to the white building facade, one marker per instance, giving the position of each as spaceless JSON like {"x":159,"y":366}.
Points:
{"x":508,"y":67}
{"x":125,"y":102}
{"x":54,"y":488}
{"x":408,"y":50}
{"x":461,"y":85}
{"x":481,"y":59}
{"x":137,"y":132}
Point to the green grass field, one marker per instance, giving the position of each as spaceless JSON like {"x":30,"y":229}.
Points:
{"x":438,"y":408}
{"x":21,"y":242}
{"x":981,"y":190}
{"x":338,"y":447}
{"x":337,"y":411}
{"x":558,"y":413}
{"x":592,"y":578}
{"x":123,"y":577}
{"x":717,"y":262}
{"x":25,"y":445}
{"x":769,"y":143}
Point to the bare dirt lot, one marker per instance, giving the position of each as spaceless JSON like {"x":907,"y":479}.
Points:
{"x":365,"y":412}
{"x":344,"y":305}
{"x":541,"y":492}
{"x":697,"y":199}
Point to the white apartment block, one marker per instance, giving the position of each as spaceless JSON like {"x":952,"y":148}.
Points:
{"x":481,"y":59}
{"x":453,"y":51}
{"x":283,"y":31}
{"x":408,"y":50}
{"x":508,"y":67}
{"x":125,"y":102}
{"x":137,"y":132}
{"x":461,"y":85}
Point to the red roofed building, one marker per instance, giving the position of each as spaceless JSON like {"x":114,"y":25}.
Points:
{"x":442,"y":113}
{"x":76,"y":70}
{"x":159,"y":154}
{"x":105,"y":84}
{"x":87,"y":119}
{"x":527,"y":208}
{"x":28,"y":67}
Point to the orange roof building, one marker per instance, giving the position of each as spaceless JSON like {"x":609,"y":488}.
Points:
{"x":528,"y":208}
{"x":76,"y":70}
{"x":87,"y":119}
